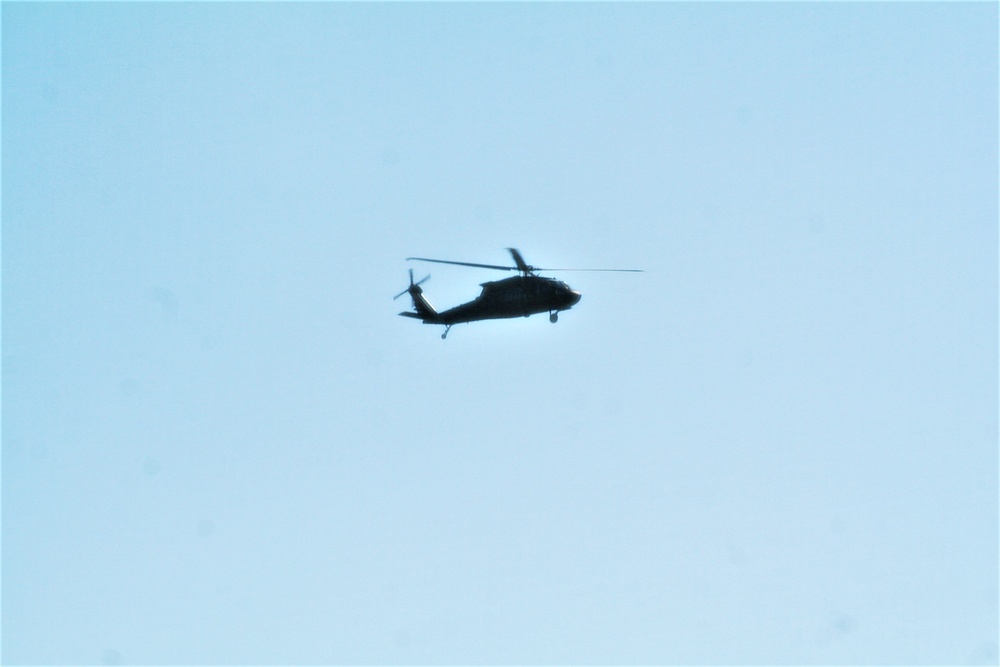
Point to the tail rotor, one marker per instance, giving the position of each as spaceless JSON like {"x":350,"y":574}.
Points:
{"x":413,"y":285}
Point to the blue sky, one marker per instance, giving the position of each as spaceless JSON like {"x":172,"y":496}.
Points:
{"x":777,"y":445}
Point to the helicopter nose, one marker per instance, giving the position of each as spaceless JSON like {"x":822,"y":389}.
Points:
{"x":574,"y":297}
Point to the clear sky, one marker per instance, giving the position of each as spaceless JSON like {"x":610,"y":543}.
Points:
{"x":777,"y":445}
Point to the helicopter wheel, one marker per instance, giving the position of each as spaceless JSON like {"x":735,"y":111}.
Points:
{"x":554,"y":317}
{"x":445,"y":334}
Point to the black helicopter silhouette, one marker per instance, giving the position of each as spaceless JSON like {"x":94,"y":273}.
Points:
{"x":518,"y":296}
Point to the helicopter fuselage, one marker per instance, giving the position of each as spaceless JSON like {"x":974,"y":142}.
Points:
{"x":517,"y":296}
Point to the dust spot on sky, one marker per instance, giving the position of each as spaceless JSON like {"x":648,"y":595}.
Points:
{"x":206,"y":528}
{"x":984,"y":654}
{"x":402,"y":640}
{"x":111,"y":657}
{"x":390,"y":157}
{"x":374,"y":357}
{"x":483,"y":213}
{"x":11,"y":365}
{"x":128,"y":386}
{"x":151,"y":467}
{"x":816,"y":224}
{"x":737,"y":554}
{"x":844,"y":623}
{"x":836,"y":627}
{"x":167,"y":301}
{"x":613,"y":406}
{"x":744,"y":114}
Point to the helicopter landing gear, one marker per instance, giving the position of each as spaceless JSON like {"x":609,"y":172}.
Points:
{"x":446,"y":330}
{"x":554,"y":316}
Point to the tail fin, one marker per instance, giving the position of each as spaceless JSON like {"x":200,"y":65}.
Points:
{"x":425,"y":311}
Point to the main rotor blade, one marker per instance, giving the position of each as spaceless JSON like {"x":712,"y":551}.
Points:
{"x":616,"y":270}
{"x":522,"y":265}
{"x":482,"y":266}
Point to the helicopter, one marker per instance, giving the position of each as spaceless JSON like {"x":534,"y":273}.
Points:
{"x":522,"y":295}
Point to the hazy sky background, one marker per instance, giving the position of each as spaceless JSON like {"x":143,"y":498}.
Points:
{"x":778,"y":445}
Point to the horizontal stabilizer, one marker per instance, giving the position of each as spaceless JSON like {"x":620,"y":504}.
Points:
{"x":413,"y":315}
